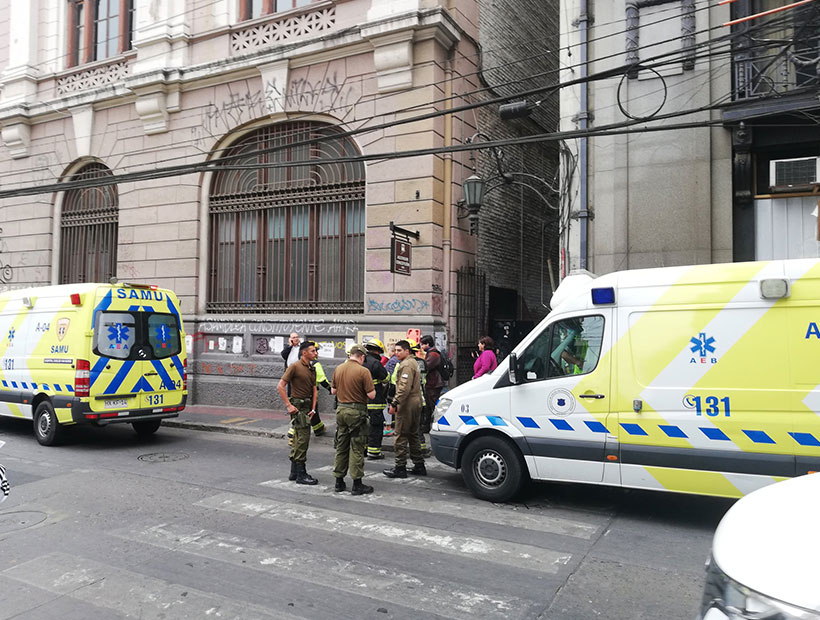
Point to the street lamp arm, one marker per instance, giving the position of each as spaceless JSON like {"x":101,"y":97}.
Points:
{"x":532,"y":176}
{"x":522,"y":184}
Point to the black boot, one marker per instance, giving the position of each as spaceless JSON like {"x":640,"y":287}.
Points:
{"x":340,"y":485}
{"x":360,"y":488}
{"x":302,"y":477}
{"x":418,"y":470}
{"x":292,"y":471}
{"x":398,"y":471}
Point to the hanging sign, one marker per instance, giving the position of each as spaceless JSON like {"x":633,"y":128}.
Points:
{"x":401,"y":250}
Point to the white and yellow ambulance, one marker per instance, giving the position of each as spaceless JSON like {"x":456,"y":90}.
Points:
{"x":91,"y":353}
{"x":702,"y":379}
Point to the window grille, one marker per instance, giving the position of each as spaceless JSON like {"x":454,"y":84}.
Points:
{"x":288,"y":239}
{"x":88,"y":230}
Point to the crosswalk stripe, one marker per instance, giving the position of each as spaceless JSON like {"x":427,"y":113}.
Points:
{"x":510,"y":554}
{"x":128,"y":593}
{"x":487,"y":513}
{"x":450,"y":600}
{"x":421,"y":482}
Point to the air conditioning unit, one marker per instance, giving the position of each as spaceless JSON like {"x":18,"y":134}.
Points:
{"x":792,"y":175}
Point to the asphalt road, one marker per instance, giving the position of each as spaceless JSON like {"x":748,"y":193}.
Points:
{"x":191,"y":524}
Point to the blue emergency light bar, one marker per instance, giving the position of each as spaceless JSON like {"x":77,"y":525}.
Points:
{"x":603,"y":296}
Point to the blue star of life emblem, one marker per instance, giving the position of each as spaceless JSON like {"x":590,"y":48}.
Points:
{"x":117,"y":333}
{"x":703,"y":345}
{"x":11,"y":336}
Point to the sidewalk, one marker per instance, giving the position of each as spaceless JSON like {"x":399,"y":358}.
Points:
{"x":253,"y":422}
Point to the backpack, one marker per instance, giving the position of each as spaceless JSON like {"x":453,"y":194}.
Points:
{"x":445,"y":368}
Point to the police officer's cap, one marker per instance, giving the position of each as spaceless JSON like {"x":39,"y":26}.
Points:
{"x":356,"y":349}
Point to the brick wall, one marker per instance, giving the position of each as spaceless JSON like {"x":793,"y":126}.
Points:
{"x":518,"y":232}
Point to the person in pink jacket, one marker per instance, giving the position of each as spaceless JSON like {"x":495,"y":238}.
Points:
{"x":486,"y":361}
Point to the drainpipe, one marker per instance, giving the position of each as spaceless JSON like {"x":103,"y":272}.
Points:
{"x":583,"y":118}
{"x":447,"y":232}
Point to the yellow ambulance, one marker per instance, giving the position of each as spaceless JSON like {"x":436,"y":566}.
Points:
{"x":701,"y":379}
{"x":91,"y":354}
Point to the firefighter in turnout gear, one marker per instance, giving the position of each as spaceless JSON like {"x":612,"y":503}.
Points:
{"x":406,"y":409}
{"x":301,"y":378}
{"x":377,"y":405}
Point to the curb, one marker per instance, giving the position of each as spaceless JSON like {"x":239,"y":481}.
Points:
{"x":249,"y":432}
{"x":221,"y":428}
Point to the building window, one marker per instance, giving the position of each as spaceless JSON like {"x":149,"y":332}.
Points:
{"x":290,"y":238}
{"x":88,"y":229}
{"x":98,"y":29}
{"x":251,"y":9}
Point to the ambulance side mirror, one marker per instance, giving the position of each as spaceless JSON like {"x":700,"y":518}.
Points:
{"x":513,"y":369}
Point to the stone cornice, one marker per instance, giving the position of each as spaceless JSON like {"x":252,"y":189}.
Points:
{"x":424,"y":24}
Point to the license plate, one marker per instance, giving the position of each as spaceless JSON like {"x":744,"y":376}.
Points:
{"x":116,"y":403}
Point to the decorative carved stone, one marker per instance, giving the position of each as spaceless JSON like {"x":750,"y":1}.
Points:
{"x":17,"y":138}
{"x":299,"y":26}
{"x":92,"y":78}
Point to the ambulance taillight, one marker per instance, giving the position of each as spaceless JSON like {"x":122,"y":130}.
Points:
{"x":185,"y":374}
{"x":76,"y":300}
{"x":82,"y":378}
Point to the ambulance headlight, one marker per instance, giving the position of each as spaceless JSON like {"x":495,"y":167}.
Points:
{"x":725,"y":599}
{"x":442,"y":406}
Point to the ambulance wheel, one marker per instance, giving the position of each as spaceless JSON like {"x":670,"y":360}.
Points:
{"x":493,"y":469}
{"x":146,"y":428}
{"x":47,"y":429}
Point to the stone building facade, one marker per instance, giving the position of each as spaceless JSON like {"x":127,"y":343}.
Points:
{"x":704,"y":193}
{"x":242,"y":153}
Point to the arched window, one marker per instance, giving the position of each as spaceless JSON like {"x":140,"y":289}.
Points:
{"x":88,"y":229}
{"x":288,"y":238}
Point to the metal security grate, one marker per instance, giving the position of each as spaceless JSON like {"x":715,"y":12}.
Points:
{"x":88,"y":230}
{"x":471,"y":318}
{"x":288,"y":239}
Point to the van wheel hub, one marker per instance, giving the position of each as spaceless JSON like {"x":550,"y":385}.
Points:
{"x":44,"y":424}
{"x":490,"y":468}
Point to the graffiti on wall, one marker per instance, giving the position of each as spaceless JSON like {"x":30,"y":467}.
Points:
{"x":329,"y":93}
{"x":398,"y":305}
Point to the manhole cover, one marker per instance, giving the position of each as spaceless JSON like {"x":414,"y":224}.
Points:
{"x":13,"y":521}
{"x":163,"y":457}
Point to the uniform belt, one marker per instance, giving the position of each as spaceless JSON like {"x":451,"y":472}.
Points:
{"x":301,"y":401}
{"x":361,"y":406}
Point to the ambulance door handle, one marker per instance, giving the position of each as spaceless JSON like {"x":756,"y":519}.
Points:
{"x":150,"y":373}
{"x":595,"y":396}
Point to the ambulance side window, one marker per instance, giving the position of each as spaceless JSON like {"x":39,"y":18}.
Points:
{"x":115,"y":334}
{"x":567,"y":347}
{"x":576,"y":345}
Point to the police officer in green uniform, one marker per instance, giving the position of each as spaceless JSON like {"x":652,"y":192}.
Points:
{"x":353,"y":387}
{"x":406,"y":409}
{"x":301,"y":378}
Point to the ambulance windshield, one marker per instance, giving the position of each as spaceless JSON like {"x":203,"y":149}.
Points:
{"x":136,"y":335}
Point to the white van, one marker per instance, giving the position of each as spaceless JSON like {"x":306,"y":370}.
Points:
{"x":699,"y":379}
{"x":763,"y":563}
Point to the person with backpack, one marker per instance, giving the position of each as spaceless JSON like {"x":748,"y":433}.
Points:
{"x":437,"y":375}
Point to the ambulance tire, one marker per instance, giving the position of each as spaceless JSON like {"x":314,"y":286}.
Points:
{"x":493,"y":469}
{"x":47,"y":429}
{"x":146,"y":428}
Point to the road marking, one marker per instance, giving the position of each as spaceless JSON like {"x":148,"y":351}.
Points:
{"x":420,"y":482}
{"x":446,"y":599}
{"x":131,"y":594}
{"x":233,"y":420}
{"x":510,"y":554}
{"x":476,"y":510}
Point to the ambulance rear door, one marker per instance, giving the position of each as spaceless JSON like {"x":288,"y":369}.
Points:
{"x":138,"y":339}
